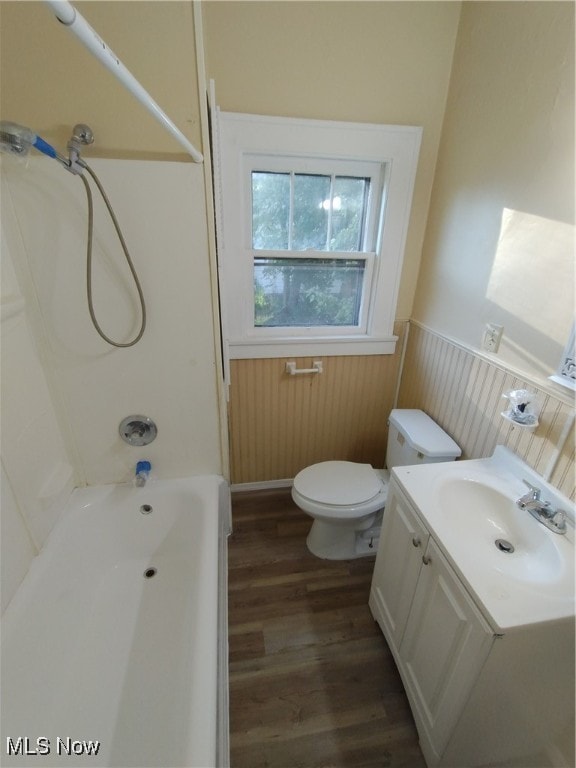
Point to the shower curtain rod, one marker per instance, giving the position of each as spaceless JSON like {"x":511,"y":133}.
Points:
{"x":71,"y":18}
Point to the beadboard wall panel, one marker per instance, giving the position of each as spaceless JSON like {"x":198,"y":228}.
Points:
{"x":463,"y":391}
{"x":280,"y":424}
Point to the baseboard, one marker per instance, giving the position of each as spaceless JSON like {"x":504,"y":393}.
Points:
{"x":263,"y":485}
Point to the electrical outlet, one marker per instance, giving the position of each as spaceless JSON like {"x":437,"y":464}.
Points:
{"x":492,"y":337}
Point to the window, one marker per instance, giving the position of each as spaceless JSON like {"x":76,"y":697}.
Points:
{"x":311,"y":231}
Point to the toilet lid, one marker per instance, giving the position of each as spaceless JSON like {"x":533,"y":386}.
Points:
{"x":341,"y":483}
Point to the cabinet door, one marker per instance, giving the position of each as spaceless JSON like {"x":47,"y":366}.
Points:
{"x":443,"y":649}
{"x":402,"y":542}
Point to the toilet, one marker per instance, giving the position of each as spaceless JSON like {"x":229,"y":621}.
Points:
{"x":347,"y":499}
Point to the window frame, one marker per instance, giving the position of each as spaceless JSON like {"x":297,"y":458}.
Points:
{"x":247,"y":143}
{"x":564,"y":375}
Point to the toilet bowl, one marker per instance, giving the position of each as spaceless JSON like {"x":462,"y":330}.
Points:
{"x":346,"y":499}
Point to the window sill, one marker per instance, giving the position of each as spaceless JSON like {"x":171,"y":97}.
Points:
{"x":337,"y":346}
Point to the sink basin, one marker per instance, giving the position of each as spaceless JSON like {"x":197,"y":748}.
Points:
{"x":499,"y":531}
{"x":518,"y":570}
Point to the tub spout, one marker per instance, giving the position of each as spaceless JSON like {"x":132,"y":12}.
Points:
{"x":142,"y":472}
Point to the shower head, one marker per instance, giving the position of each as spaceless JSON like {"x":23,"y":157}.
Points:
{"x":17,"y":140}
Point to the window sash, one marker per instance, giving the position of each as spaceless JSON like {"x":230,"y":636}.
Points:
{"x":375,"y":172}
{"x":287,"y":214}
{"x":305,"y":331}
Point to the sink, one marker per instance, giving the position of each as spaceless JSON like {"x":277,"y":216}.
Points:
{"x":519,"y":571}
{"x":499,"y":531}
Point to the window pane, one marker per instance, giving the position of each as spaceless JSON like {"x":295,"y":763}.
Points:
{"x":302,"y":212}
{"x":349,"y":206}
{"x":270,"y":210}
{"x":307,"y":292}
{"x":310,"y":216}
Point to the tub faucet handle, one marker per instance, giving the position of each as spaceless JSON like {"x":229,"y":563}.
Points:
{"x":137,"y":430}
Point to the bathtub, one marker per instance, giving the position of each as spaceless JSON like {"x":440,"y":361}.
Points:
{"x":114,"y":648}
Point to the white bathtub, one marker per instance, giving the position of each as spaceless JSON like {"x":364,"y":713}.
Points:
{"x":97,"y":649}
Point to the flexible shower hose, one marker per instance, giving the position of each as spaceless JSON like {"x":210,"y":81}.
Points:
{"x":95,"y":323}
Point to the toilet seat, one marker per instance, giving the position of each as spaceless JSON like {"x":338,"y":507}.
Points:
{"x":343,"y":483}
{"x":341,"y":489}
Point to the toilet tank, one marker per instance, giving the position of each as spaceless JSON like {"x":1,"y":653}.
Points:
{"x":415,"y":438}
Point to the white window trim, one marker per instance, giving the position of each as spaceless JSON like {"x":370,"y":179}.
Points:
{"x":565,"y":372}
{"x":240,"y":137}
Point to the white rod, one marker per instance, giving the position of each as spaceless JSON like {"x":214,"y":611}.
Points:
{"x":70,"y":17}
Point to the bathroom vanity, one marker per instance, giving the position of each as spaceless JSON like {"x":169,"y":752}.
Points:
{"x":476,"y":600}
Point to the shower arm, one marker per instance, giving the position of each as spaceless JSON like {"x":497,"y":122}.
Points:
{"x":71,"y":18}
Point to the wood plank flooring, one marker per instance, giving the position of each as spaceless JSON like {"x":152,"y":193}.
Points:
{"x":312,"y":681}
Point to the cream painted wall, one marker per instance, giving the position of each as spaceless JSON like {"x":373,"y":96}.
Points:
{"x":500,"y":240}
{"x":379,"y":62}
{"x":50,"y":82}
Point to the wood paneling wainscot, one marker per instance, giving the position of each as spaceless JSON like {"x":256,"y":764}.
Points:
{"x":280,"y":424}
{"x":462,"y":391}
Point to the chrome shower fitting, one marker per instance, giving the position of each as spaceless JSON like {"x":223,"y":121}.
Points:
{"x":137,"y":430}
{"x":82,"y":136}
{"x":17,"y":140}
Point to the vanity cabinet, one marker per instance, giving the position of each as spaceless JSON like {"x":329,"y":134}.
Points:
{"x":437,"y":635}
{"x":403,"y":541}
{"x":476,"y":695}
{"x":445,"y":643}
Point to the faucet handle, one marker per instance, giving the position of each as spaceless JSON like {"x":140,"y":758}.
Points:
{"x":559,"y":521}
{"x":534,"y":490}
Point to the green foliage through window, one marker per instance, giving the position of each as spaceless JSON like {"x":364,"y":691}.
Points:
{"x":301,"y":211}
{"x":308,"y":212}
{"x":307,"y":292}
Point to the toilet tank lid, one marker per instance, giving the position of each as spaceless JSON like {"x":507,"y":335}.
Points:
{"x":423,"y":434}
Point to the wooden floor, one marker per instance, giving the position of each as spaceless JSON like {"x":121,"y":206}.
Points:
{"x":312,"y":681}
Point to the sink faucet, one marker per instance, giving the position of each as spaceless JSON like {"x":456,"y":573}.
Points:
{"x":554,"y":519}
